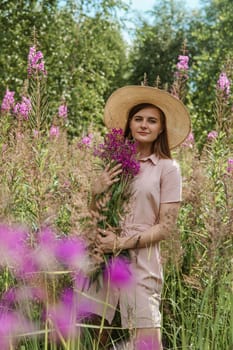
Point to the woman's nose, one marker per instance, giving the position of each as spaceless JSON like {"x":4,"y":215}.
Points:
{"x":144,"y":124}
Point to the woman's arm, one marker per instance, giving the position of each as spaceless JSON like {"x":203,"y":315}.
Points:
{"x":168,"y":214}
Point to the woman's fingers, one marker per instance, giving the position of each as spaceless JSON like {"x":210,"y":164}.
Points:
{"x":107,"y":178}
{"x":116,"y":170}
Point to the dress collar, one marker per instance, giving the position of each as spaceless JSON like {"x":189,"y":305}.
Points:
{"x":153,"y":158}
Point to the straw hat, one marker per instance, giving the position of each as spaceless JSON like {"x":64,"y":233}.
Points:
{"x":123,"y":99}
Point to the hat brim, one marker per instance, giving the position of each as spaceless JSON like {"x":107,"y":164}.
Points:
{"x":123,"y":99}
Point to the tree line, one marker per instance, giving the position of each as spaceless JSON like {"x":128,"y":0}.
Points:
{"x":87,"y":57}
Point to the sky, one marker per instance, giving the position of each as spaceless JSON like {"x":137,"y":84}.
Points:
{"x":141,"y":6}
{"x":145,"y":5}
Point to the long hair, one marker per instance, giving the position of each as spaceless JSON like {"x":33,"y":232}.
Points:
{"x":160,"y":146}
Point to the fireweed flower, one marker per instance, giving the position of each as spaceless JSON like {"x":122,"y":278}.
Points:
{"x":182,"y":64}
{"x":44,"y":253}
{"x":8,"y":101}
{"x":8,"y":298}
{"x":118,"y":272}
{"x":54,"y":131}
{"x":71,"y":252}
{"x":62,"y":111}
{"x":36,"y":134}
{"x":11,"y":325}
{"x":35,"y":62}
{"x":24,"y":293}
{"x":230,"y":165}
{"x":13,"y":247}
{"x":64,"y":315}
{"x":189,"y":141}
{"x":23,"y":109}
{"x":117,"y":148}
{"x":212,"y":135}
{"x":223,"y":84}
{"x":87,"y":140}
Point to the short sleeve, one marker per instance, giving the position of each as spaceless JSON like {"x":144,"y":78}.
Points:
{"x":171,"y":183}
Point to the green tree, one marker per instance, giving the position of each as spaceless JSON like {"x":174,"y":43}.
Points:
{"x":157,"y":44}
{"x":211,"y":41}
{"x":83,"y":49}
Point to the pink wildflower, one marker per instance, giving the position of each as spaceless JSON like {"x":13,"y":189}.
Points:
{"x":11,"y":325}
{"x":35,"y":61}
{"x":19,"y":135}
{"x":123,"y":151}
{"x":44,"y":254}
{"x":119,"y":273}
{"x":54,"y":131}
{"x":62,"y":111}
{"x":23,"y":109}
{"x":13,"y":248}
{"x":223,"y":84}
{"x":64,"y":315}
{"x":17,"y":295}
{"x":71,"y":252}
{"x":230,"y":165}
{"x":182,"y":64}
{"x":189,"y":141}
{"x":8,"y":101}
{"x":212,"y":135}
{"x":36,"y":134}
{"x":86,"y":140}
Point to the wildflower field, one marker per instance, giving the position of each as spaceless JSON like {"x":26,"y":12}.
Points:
{"x":45,"y":194}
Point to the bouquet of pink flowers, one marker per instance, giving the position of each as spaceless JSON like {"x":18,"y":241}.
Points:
{"x":116,"y":149}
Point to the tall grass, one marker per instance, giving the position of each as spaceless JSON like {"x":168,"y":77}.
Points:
{"x":45,"y":181}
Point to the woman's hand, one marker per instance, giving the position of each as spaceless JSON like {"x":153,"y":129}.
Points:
{"x":107,"y":241}
{"x":106,"y":179}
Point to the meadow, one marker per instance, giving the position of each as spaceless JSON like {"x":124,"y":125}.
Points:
{"x":45,"y":190}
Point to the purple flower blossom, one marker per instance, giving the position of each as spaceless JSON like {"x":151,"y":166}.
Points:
{"x":223,"y":84}
{"x":182,"y":64}
{"x":64,"y":315}
{"x":123,"y":151}
{"x":54,"y":131}
{"x":36,"y":134}
{"x":23,"y":109}
{"x":29,"y":265}
{"x":44,"y":254}
{"x":24,"y":293}
{"x":118,"y":272}
{"x":8,"y":101}
{"x":8,"y":297}
{"x":230,"y":165}
{"x":71,"y":252}
{"x":35,"y":62}
{"x":13,"y":247}
{"x":212,"y":135}
{"x":189,"y":141}
{"x":86,"y":140}
{"x":62,"y":111}
{"x":12,"y":324}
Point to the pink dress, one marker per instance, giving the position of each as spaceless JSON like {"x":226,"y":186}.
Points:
{"x":159,"y":181}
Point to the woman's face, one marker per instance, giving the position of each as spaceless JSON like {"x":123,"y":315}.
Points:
{"x":145,"y":125}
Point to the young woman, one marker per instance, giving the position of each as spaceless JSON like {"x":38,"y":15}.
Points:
{"x":158,"y":122}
